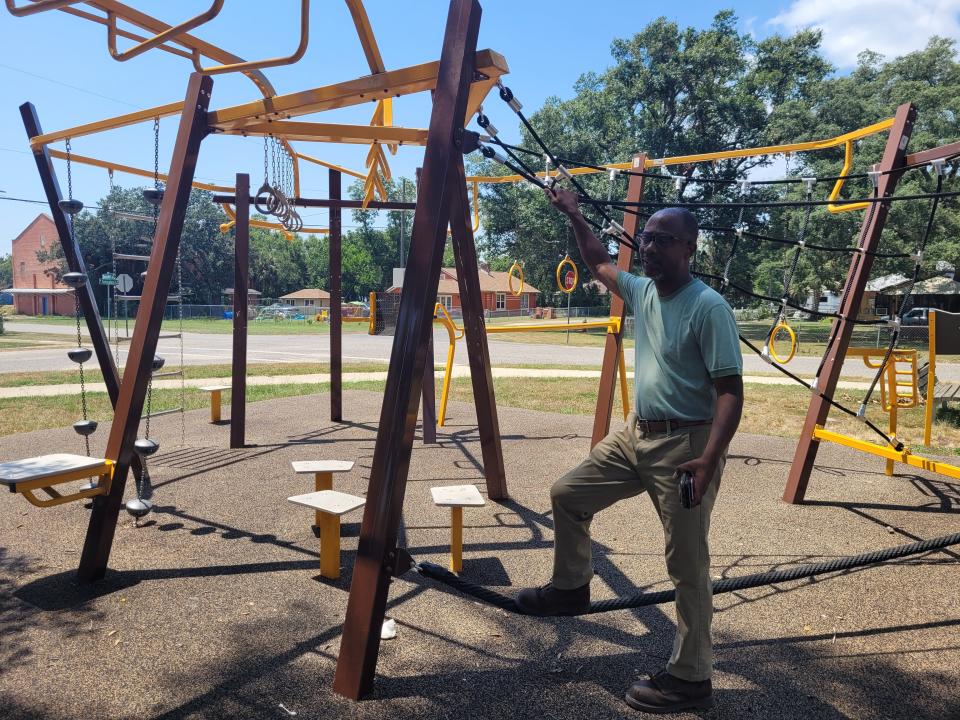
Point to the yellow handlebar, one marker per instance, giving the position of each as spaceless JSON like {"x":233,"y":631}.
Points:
{"x":519,"y":268}
{"x":576,"y":275}
{"x":772,"y":343}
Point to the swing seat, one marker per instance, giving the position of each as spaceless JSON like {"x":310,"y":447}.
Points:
{"x":43,"y":472}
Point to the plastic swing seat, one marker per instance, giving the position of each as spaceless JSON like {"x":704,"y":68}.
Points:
{"x":43,"y":472}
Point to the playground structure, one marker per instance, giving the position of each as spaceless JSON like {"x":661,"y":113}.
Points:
{"x":459,"y":81}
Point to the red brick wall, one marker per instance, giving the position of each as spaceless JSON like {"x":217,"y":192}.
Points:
{"x":28,"y":272}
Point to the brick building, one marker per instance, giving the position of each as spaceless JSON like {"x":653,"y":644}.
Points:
{"x":35,"y":290}
{"x":495,"y":290}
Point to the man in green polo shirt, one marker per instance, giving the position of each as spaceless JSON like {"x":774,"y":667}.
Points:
{"x":689,"y":396}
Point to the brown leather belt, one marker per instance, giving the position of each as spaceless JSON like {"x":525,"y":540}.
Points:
{"x":658,"y":426}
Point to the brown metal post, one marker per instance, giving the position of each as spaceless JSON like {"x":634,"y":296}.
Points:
{"x":376,"y":552}
{"x":429,"y":414}
{"x":336,"y":300}
{"x":143,"y":344}
{"x":611,"y":348}
{"x":857,"y":276}
{"x":241,"y":302}
{"x":73,"y":255}
{"x":475,"y":332}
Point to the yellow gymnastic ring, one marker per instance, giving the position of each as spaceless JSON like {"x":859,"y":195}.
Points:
{"x":576,"y":275}
{"x":771,"y":343}
{"x":519,"y":268}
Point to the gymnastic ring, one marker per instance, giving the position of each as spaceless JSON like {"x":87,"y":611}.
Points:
{"x":519,"y":268}
{"x":263,"y":199}
{"x":771,"y":342}
{"x":576,"y":275}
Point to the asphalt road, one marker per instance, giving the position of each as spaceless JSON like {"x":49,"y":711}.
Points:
{"x":209,"y":349}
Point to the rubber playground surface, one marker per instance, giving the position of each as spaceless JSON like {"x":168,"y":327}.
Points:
{"x":214,"y":606}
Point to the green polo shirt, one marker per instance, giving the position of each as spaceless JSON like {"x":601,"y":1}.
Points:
{"x":683,"y":341}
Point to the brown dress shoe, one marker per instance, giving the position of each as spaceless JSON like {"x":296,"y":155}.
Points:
{"x":664,"y":693}
{"x":548,"y":600}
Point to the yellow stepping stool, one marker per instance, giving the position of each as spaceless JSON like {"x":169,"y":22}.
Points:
{"x":322,"y":471}
{"x":456,"y":497}
{"x":215,"y":391}
{"x":329,"y":506}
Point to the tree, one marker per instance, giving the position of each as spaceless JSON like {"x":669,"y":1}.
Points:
{"x":671,"y":91}
{"x":206,"y":253}
{"x":6,"y":271}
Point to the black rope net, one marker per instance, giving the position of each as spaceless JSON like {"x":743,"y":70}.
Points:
{"x":740,"y":232}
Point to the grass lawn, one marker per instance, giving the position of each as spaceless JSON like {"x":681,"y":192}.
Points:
{"x":13,"y":340}
{"x":769,"y":410}
{"x":91,"y":375}
{"x":210,"y":325}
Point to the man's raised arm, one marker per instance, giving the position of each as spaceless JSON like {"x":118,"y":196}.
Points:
{"x":593,"y":252}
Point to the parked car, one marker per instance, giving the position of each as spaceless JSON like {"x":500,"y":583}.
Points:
{"x":278,"y":312}
{"x":917,"y":316}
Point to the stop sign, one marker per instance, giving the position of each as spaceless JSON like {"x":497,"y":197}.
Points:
{"x":569,"y":279}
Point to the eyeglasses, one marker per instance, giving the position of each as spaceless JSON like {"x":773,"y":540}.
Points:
{"x":660,"y":239}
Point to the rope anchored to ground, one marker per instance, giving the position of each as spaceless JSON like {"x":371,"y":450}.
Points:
{"x":726,"y":585}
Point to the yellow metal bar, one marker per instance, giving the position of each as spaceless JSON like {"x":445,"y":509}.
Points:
{"x":37,"y":6}
{"x":332,"y":166}
{"x":543,"y":327}
{"x":104,"y":473}
{"x":172,"y":49}
{"x":130,"y":170}
{"x":931,"y":378}
{"x":624,"y":389}
{"x":195,"y":45}
{"x":454,"y":333}
{"x":892,"y":420}
{"x":373,"y":313}
{"x":889,"y":453}
{"x":405,"y":81}
{"x":266,"y":225}
{"x":365,"y":33}
{"x":331,"y":132}
{"x":835,"y":193}
{"x":456,"y":538}
{"x":161,"y":37}
{"x":119,"y":121}
{"x":246,"y":66}
{"x":711,"y":157}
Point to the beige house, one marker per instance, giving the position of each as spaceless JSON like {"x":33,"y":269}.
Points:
{"x":311,"y":299}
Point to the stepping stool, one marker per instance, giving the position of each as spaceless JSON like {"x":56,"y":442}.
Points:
{"x":456,"y":497}
{"x":322,"y":471}
{"x":215,"y":391}
{"x":329,"y":506}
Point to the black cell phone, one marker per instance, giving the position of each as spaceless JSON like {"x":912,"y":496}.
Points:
{"x":686,"y":489}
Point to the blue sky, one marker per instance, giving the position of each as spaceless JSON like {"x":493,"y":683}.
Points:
{"x":61,"y":64}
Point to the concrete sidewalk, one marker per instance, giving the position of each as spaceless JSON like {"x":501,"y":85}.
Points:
{"x":459,"y":371}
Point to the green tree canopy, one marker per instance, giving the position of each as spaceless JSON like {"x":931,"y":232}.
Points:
{"x":676,"y":91}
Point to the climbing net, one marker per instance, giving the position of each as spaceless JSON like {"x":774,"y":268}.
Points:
{"x":512,"y":157}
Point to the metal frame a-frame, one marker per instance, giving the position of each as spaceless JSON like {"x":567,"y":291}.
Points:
{"x":442,"y":201}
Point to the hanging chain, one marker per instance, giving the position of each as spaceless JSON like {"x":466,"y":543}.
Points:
{"x":266,"y":179}
{"x":69,"y":177}
{"x":183,"y":389}
{"x":156,"y":171}
{"x":83,"y":385}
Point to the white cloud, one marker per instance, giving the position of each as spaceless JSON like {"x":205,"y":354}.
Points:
{"x":889,"y":27}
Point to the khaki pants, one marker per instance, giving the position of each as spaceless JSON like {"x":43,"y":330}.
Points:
{"x":626,"y":463}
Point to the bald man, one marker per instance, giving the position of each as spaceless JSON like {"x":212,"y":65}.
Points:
{"x":689,"y":396}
